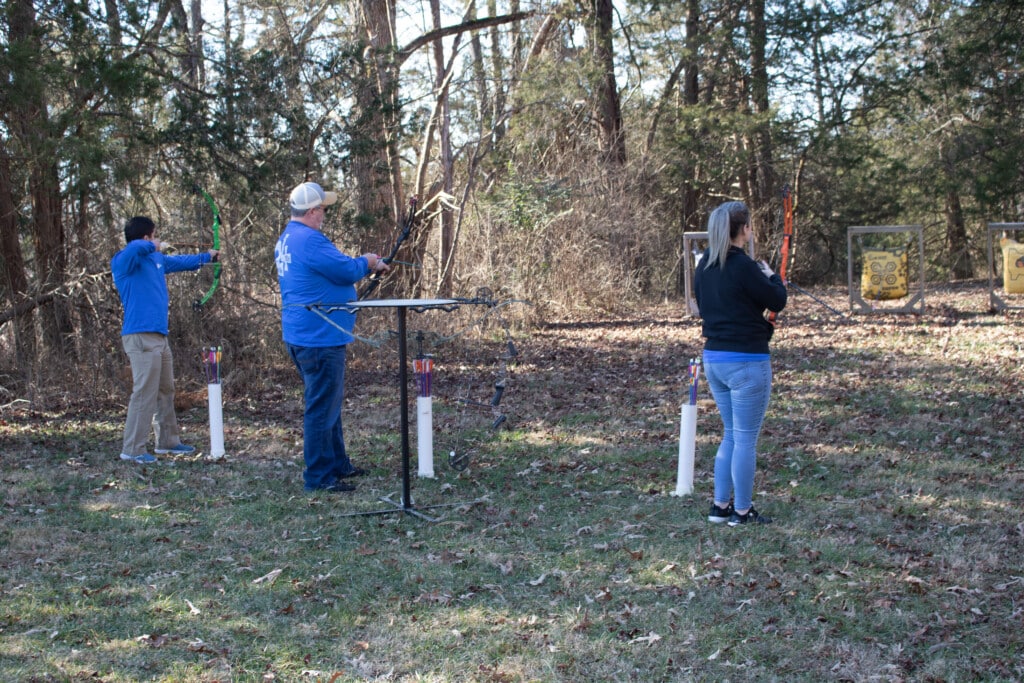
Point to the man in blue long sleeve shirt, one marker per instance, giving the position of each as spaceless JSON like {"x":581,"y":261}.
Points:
{"x":311,"y":270}
{"x":140,"y":273}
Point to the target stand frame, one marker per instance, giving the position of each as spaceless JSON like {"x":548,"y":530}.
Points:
{"x":996,"y":302}
{"x":915,"y":304}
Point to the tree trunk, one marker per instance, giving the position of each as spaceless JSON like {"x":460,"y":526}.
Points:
{"x":445,"y":159}
{"x":497,"y":120}
{"x":48,"y":229}
{"x":956,"y":238}
{"x":31,"y":125}
{"x":374,"y":159}
{"x":13,"y":279}
{"x":114,"y":26}
{"x":762,"y":172}
{"x":484,"y":104}
{"x":690,"y":213}
{"x":187,"y":56}
{"x":196,"y":44}
{"x":609,"y":109}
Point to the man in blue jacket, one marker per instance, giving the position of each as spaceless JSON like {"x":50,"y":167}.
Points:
{"x":140,"y":273}
{"x":311,"y":270}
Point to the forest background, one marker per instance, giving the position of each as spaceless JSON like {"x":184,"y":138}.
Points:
{"x":558,"y":150}
{"x":558,"y":153}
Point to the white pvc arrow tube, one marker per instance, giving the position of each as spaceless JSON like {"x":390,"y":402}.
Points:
{"x":425,"y":436}
{"x":687,"y":447}
{"x":213,"y":394}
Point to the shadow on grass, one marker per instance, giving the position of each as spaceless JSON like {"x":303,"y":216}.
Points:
{"x":888,"y":460}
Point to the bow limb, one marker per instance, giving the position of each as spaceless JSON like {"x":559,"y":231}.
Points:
{"x":199,"y":303}
{"x":787,"y":240}
{"x":404,"y":235}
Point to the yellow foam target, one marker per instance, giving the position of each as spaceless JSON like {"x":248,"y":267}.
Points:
{"x":884,"y":275}
{"x":1013,"y":265}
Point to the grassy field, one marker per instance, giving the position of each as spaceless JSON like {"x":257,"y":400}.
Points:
{"x":890,"y":460}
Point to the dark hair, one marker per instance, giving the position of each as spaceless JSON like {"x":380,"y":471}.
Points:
{"x":138,"y":227}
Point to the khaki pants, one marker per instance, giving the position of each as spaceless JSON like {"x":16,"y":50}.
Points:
{"x":152,"y":401}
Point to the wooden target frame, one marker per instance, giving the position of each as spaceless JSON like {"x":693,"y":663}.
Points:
{"x":996,"y":302}
{"x":916,"y":292}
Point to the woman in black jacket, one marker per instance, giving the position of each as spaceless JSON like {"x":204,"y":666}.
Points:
{"x":732,"y":292}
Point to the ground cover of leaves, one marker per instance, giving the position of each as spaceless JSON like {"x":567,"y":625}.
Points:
{"x":890,"y":460}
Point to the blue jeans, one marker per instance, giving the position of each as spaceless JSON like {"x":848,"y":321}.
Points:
{"x":741,"y":391}
{"x":323,"y":375}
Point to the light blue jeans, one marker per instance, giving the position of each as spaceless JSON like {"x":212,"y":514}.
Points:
{"x":741,"y":391}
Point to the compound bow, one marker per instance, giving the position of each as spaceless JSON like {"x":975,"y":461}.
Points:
{"x":462,"y":441}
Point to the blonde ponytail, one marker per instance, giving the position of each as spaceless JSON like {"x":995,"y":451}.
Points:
{"x":724,"y":224}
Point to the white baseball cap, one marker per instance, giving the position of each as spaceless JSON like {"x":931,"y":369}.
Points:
{"x":310,"y":195}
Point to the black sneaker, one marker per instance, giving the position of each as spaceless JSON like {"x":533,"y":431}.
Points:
{"x":752,"y":517}
{"x":333,"y":487}
{"x":718,"y":515}
{"x":356,"y":472}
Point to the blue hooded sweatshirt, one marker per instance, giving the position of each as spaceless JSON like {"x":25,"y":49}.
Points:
{"x":311,"y":270}
{"x":140,"y":275}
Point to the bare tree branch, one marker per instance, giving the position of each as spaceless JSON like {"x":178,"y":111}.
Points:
{"x":31,"y":303}
{"x":472,"y":25}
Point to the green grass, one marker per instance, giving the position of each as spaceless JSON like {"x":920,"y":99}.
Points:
{"x":891,"y":466}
